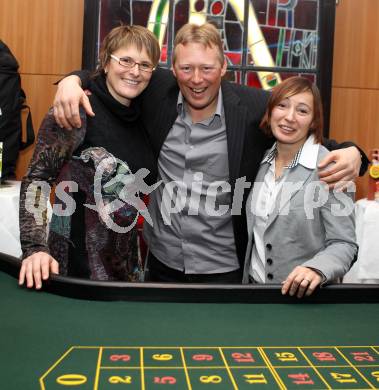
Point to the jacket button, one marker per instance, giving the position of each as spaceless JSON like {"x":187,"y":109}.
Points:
{"x":269,"y":246}
{"x":269,"y":261}
{"x":270,"y":276}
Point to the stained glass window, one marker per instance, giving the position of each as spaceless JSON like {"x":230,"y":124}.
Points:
{"x":265,"y":41}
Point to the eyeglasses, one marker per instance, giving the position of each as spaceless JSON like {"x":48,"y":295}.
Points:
{"x":130,"y":63}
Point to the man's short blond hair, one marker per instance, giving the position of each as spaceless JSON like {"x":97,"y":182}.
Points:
{"x":206,"y":34}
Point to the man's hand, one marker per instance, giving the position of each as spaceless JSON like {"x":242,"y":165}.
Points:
{"x":67,"y":100}
{"x":36,"y":268}
{"x":301,"y":280}
{"x":347,"y":163}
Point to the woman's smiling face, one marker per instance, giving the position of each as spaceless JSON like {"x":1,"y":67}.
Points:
{"x":292,"y":117}
{"x":124,"y":83}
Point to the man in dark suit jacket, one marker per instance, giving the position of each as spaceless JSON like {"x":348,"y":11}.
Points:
{"x":243,"y":110}
{"x":203,"y":131}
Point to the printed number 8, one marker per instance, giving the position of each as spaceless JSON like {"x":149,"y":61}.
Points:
{"x":210,"y":379}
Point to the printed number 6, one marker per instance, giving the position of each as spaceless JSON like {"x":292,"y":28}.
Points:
{"x":166,"y":356}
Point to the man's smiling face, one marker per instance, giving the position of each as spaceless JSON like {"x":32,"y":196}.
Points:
{"x":198,"y":71}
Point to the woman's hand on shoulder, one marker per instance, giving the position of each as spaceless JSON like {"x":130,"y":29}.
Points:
{"x":68,"y":98}
{"x":301,"y":281}
{"x":36,"y":268}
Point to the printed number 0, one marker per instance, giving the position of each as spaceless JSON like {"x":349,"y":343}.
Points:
{"x":71,"y":380}
{"x":210,"y":379}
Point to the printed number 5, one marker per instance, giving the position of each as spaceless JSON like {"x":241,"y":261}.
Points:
{"x":165,"y":380}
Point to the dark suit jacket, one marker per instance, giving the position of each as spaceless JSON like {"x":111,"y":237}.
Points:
{"x":243,"y":107}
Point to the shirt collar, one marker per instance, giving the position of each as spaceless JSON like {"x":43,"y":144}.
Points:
{"x":309,"y":153}
{"x":306,"y":155}
{"x":270,"y":155}
{"x":219,"y":107}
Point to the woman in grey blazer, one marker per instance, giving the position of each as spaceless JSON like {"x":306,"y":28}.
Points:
{"x":300,"y":233}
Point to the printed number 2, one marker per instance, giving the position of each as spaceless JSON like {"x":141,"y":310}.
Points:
{"x":242,"y":357}
{"x":119,"y":379}
{"x":362,"y":356}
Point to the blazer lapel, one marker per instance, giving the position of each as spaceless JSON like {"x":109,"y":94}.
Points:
{"x":251,"y":211}
{"x":235,"y":120}
{"x":166,"y":116}
{"x":293,"y":183}
{"x":252,"y":200}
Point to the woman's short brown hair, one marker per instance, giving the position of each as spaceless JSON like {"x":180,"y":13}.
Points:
{"x":291,"y":87}
{"x":206,"y":34}
{"x":125,"y":36}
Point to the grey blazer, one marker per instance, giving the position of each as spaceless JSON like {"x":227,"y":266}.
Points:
{"x":325,"y":242}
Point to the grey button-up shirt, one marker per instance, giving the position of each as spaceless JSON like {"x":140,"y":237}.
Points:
{"x":197,"y":238}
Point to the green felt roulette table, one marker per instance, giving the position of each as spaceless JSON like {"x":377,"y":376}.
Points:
{"x":76,"y":334}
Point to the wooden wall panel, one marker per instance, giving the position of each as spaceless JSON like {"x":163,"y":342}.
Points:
{"x":355,"y":92}
{"x":45,"y":35}
{"x":39,"y":104}
{"x":356,"y":53}
{"x":355,"y":117}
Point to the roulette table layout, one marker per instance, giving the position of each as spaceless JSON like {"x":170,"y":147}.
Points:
{"x":78,"y":334}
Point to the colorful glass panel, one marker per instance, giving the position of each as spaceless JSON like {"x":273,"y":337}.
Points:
{"x":264,"y":40}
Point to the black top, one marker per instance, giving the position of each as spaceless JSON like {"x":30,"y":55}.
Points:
{"x":84,"y":244}
{"x":118,"y":129}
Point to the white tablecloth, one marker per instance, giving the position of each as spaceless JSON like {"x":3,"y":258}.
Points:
{"x":9,"y":228}
{"x":366,"y":268}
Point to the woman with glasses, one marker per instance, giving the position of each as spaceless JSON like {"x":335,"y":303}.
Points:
{"x":99,"y":172}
